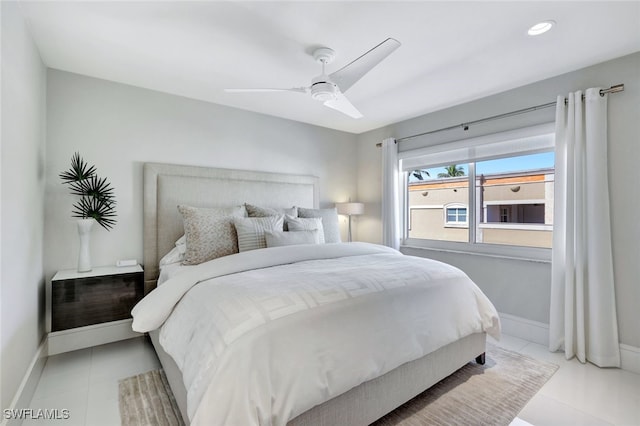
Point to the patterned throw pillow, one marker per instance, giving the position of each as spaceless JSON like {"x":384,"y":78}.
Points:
{"x":306,"y":224}
{"x":278,"y":239}
{"x":251,"y":230}
{"x":209,"y":232}
{"x":329,"y":222}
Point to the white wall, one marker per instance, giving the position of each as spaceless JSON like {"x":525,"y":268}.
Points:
{"x":22,"y":198}
{"x":522,"y":288}
{"x":118,"y":127}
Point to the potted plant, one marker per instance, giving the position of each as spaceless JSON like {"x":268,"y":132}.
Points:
{"x":96,"y":203}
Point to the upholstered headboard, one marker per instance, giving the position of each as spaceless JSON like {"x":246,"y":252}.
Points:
{"x":168,"y":185}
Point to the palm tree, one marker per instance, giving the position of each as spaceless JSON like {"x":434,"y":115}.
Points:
{"x":452,"y":171}
{"x":418,"y":174}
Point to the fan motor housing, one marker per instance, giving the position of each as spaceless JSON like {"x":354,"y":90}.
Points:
{"x":323,"y":89}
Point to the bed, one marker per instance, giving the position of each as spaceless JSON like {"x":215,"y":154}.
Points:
{"x":258,"y":393}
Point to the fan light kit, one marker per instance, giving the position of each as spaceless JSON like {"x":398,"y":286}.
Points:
{"x":329,"y":89}
{"x":322,"y":89}
{"x":541,"y":28}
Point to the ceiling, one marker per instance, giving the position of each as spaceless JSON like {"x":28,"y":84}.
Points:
{"x":452,"y":52}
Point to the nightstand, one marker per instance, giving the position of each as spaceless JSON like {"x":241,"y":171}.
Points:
{"x":93,"y":308}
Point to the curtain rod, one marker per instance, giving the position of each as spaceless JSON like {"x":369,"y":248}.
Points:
{"x":465,"y":126}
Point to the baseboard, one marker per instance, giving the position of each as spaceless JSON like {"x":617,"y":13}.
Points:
{"x":27,"y":387}
{"x":538,"y":332}
{"x":630,"y":358}
{"x":91,"y":335}
{"x":529,"y":330}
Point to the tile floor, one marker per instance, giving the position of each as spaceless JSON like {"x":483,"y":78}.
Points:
{"x":579,"y":394}
{"x":86,"y":383}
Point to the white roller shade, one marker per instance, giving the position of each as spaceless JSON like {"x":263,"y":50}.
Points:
{"x":528,"y":140}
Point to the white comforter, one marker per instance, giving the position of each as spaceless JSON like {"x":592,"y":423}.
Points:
{"x":267,"y":334}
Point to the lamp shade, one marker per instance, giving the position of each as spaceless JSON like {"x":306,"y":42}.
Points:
{"x":350,"y":209}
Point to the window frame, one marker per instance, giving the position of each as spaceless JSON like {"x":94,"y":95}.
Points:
{"x":536,"y":254}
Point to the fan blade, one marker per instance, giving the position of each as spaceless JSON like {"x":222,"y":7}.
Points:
{"x":346,"y":76}
{"x":293,"y":89}
{"x":342,"y":104}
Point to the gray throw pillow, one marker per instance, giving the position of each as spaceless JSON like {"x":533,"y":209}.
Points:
{"x":258,"y":211}
{"x":329,"y":222}
{"x":251,"y":230}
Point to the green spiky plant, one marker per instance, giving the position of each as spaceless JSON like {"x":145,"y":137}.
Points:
{"x":452,"y":171}
{"x":97,"y":199}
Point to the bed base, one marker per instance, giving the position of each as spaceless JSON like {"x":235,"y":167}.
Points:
{"x":371,"y":400}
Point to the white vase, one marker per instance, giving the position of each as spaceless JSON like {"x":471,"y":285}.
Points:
{"x":84,"y":232}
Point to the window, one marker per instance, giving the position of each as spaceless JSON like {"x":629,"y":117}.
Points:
{"x":456,"y":216}
{"x":510,"y":203}
{"x":504,"y":214}
{"x":438,"y":206}
{"x":515,"y":200}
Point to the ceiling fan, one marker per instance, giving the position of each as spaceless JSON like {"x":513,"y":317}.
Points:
{"x":329,"y":89}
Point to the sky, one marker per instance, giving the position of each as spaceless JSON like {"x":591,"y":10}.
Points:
{"x":510,"y":164}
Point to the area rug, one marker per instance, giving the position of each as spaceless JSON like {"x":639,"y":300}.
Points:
{"x":146,"y":399}
{"x":490,"y":394}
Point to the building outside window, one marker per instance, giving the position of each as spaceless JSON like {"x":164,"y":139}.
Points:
{"x":510,"y":204}
{"x":517,"y":205}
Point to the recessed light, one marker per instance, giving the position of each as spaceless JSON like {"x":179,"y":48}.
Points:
{"x":541,"y":28}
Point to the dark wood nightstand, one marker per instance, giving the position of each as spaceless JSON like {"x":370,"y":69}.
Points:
{"x":90,"y":308}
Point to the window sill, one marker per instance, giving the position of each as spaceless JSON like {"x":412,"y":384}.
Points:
{"x":516,"y":226}
{"x":528,"y":254}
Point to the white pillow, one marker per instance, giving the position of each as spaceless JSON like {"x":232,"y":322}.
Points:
{"x":278,"y":239}
{"x":306,"y":224}
{"x":209,"y":232}
{"x":251,"y":230}
{"x":176,"y":254}
{"x":329,"y":222}
{"x":181,"y":244}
